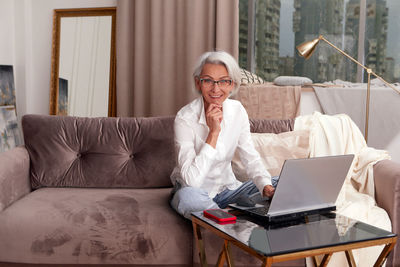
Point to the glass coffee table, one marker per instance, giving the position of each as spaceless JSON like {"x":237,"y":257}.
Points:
{"x":311,"y":236}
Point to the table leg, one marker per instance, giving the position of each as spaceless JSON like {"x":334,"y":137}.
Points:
{"x":350,"y":258}
{"x":221,"y":257}
{"x":315,"y":260}
{"x":267,"y":262}
{"x":385,"y":252}
{"x":200,"y":245}
{"x":325,"y":260}
{"x":228,"y":255}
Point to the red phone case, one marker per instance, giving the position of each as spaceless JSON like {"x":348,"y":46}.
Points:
{"x":219,"y":215}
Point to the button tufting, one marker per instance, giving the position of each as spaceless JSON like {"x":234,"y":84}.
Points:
{"x":78,"y":155}
{"x":131,"y":156}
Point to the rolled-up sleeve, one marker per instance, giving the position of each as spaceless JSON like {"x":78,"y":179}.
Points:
{"x":193,"y":166}
{"x":250,"y":158}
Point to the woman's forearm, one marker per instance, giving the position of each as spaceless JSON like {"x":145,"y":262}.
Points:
{"x":212,"y":139}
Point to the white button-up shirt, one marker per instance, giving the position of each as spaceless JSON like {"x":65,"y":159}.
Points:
{"x":200,"y":165}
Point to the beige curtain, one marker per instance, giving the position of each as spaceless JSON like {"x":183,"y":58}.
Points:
{"x":158,"y":43}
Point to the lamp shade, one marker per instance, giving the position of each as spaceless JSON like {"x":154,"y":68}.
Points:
{"x":307,"y":48}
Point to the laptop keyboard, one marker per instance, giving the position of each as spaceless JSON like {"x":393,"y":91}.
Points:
{"x":261,"y":210}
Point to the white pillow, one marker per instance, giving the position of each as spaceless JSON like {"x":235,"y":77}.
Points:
{"x":274,"y":149}
{"x":292,"y":80}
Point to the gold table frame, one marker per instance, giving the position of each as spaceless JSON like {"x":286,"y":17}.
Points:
{"x":267,"y":261}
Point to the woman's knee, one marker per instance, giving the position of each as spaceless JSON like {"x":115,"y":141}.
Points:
{"x":190,"y":199}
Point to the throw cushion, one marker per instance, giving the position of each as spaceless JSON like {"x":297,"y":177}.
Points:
{"x":292,"y":80}
{"x":250,"y":78}
{"x":274,"y":149}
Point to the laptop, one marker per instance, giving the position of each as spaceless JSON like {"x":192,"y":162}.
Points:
{"x":306,"y":186}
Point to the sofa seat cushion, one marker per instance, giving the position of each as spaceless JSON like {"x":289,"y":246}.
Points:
{"x":95,"y":226}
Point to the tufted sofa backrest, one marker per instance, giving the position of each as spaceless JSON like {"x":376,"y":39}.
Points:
{"x":107,"y":152}
{"x":99,"y":152}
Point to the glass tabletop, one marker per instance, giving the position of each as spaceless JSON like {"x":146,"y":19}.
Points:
{"x":311,"y":232}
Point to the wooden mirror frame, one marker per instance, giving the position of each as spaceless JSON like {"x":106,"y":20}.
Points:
{"x":55,"y":55}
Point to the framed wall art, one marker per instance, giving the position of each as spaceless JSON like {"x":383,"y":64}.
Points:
{"x":7,"y":87}
{"x":10,"y":135}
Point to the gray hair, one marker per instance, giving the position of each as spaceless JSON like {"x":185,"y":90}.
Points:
{"x":223,"y":58}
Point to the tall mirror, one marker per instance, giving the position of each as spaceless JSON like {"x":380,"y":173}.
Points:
{"x":83,"y":62}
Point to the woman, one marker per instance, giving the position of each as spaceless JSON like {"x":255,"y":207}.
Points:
{"x":208,"y":131}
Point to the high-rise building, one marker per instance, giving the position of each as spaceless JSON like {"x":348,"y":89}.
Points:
{"x":376,"y":26}
{"x":311,"y":19}
{"x":376,"y":35}
{"x":286,"y":66}
{"x":396,"y":72}
{"x":267,"y":38}
{"x":243,"y":32}
{"x":389,"y":67}
{"x":266,"y":58}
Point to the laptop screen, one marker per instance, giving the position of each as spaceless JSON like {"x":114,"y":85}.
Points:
{"x":310,"y":183}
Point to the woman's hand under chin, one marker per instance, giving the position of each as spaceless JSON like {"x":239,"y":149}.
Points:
{"x":213,"y":119}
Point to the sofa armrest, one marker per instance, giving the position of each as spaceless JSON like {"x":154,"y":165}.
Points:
{"x":14,"y":176}
{"x":387,"y":187}
{"x":387,"y":196}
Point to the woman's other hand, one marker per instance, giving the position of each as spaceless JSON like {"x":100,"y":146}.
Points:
{"x":268,"y":191}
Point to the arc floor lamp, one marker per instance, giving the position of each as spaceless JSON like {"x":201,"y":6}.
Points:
{"x":307,"y":48}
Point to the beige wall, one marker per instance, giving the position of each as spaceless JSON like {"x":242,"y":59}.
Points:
{"x":26,"y":30}
{"x":6,"y":32}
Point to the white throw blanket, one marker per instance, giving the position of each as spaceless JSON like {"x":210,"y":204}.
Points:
{"x":349,"y":98}
{"x":338,"y":135}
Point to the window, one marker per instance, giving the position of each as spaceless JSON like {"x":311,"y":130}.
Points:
{"x":269,"y":30}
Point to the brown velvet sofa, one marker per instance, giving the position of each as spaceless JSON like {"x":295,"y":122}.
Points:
{"x":91,"y":191}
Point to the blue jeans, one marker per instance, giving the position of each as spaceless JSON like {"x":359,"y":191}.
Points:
{"x":186,"y":200}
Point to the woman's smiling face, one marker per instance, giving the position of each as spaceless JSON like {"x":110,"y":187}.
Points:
{"x":214,"y":93}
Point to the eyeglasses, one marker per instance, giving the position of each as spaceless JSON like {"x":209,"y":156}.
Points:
{"x":221,"y":83}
